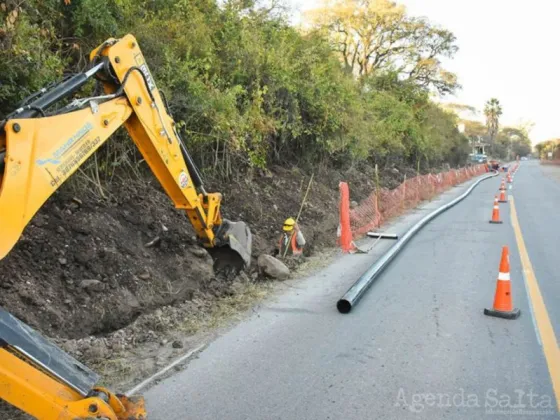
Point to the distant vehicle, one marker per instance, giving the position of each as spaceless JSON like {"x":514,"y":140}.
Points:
{"x":524,"y":158}
{"x":478,"y":157}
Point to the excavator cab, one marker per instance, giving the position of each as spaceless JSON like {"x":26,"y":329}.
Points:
{"x":41,"y":146}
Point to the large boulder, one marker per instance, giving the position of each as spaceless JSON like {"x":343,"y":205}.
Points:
{"x":273,"y":267}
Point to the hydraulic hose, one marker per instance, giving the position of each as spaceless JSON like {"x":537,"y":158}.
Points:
{"x":355,"y":293}
{"x":63,"y":90}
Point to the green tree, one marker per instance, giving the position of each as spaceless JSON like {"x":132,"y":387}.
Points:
{"x":249,"y":90}
{"x":492,"y":112}
{"x":474,"y":129}
{"x":517,"y":141}
{"x":373,"y":35}
{"x":548,"y":146}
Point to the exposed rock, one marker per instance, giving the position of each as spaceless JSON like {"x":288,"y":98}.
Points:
{"x":273,"y":267}
{"x":199,"y":252}
{"x":79,"y":227}
{"x":97,"y":350}
{"x":128,"y":298}
{"x":84,"y":256}
{"x":153,"y":242}
{"x":70,"y":346}
{"x":93,"y":285}
{"x":177,"y":344}
{"x":40,"y":220}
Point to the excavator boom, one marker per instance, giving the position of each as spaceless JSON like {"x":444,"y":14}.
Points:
{"x":39,"y":150}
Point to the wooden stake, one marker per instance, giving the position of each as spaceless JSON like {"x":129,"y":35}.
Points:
{"x":299,"y":213}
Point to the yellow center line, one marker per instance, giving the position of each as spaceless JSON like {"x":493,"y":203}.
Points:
{"x":549,"y":343}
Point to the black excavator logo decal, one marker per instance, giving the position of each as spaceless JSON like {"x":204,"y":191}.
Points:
{"x":145,"y":70}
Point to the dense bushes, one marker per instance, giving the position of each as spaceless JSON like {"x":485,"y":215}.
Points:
{"x":549,"y":146}
{"x":246,"y":88}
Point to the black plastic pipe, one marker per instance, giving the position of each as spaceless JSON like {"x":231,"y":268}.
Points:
{"x":355,"y":293}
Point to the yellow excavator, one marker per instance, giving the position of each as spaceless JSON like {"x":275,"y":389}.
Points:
{"x":40,"y":148}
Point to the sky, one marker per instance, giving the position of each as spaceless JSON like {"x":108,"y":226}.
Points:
{"x":507,"y":50}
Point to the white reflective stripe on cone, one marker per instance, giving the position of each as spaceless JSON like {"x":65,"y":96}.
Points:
{"x":503,"y":276}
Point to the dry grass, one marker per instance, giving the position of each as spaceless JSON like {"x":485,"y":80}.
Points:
{"x":116,"y":367}
{"x":126,"y":368}
{"x":227,"y":309}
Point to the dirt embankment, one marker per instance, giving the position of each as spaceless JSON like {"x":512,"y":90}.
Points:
{"x":83,"y":267}
{"x":121,"y":282}
{"x":89,"y":266}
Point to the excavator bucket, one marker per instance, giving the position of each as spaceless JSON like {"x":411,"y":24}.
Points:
{"x":234,"y":244}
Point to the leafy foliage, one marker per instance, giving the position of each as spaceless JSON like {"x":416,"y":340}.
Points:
{"x":246,"y":88}
{"x":549,"y":146}
{"x":493,"y":112}
{"x":509,"y":142}
{"x":373,"y":36}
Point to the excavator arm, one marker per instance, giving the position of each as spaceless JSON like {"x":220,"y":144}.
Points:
{"x":39,"y":150}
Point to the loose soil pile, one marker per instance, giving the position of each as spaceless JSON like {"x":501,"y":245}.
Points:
{"x":87,"y":266}
{"x":121,"y":282}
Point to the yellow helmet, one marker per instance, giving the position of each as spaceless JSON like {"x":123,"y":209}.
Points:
{"x":289,"y":224}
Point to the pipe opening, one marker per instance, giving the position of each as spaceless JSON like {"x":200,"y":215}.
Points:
{"x":343,"y":306}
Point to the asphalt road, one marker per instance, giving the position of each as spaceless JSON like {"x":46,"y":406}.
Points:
{"x":417,"y":346}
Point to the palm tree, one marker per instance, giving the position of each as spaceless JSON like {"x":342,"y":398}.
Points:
{"x":492,"y":111}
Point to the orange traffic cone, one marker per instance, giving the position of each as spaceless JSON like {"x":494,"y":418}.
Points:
{"x":509,"y":178}
{"x":496,"y":212}
{"x":344,"y":231}
{"x":503,"y":304}
{"x":503,"y":196}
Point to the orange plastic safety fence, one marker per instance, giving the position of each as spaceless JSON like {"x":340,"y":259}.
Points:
{"x":385,"y":204}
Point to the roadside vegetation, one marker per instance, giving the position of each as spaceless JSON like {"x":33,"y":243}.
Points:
{"x":549,"y":149}
{"x":500,"y":141}
{"x":351,"y":86}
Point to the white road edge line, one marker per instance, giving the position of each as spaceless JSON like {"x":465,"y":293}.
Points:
{"x":147,"y":381}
